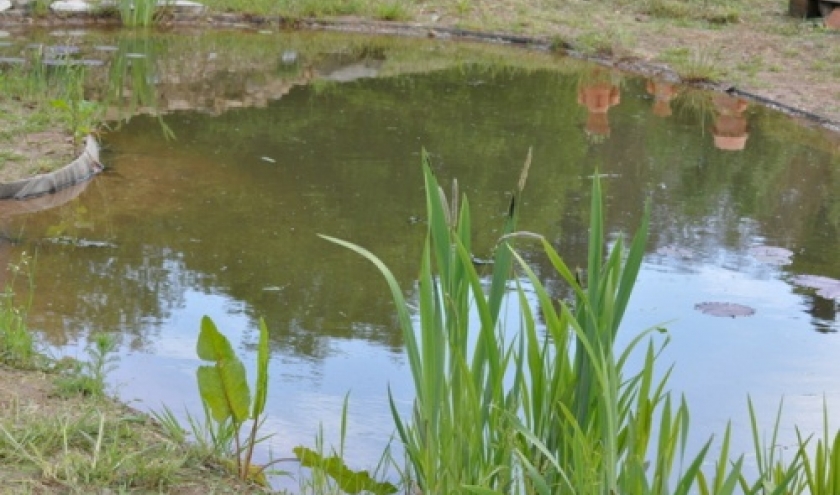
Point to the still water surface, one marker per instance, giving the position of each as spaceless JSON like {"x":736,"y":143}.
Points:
{"x":281,"y":137}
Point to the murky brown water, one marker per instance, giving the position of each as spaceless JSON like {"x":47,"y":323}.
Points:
{"x":282,"y":137}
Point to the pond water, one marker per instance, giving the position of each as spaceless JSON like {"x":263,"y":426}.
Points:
{"x":280,"y":137}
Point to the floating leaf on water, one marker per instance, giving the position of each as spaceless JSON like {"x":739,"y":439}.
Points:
{"x":724,"y":309}
{"x":772,"y":255}
{"x":826,"y":287}
{"x":815,"y":281}
{"x":674,"y":251}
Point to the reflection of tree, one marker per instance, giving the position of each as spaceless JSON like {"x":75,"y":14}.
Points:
{"x":823,"y":312}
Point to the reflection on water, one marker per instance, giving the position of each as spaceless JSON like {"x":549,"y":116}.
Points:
{"x":599,"y":91}
{"x":730,"y":129}
{"x":662,"y":92}
{"x":280,"y":138}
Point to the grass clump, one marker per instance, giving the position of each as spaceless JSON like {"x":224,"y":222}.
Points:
{"x":694,"y":65}
{"x":393,"y":10}
{"x":51,"y":444}
{"x":87,"y":378}
{"x":17,"y":346}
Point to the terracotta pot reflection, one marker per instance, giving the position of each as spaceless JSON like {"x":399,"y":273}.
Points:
{"x":662,"y":93}
{"x":598,"y":97}
{"x":730,"y":128}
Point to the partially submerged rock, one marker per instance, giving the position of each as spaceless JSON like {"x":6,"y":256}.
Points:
{"x":730,"y":310}
{"x":71,"y":6}
{"x":76,"y":6}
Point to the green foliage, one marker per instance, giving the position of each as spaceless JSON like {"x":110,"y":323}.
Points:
{"x":80,"y":116}
{"x":41,"y":8}
{"x":821,"y":468}
{"x":694,"y":65}
{"x":137,"y":13}
{"x":394,"y":10}
{"x":563,"y":412}
{"x":226,"y":396}
{"x":88,"y":378}
{"x":349,"y":481}
{"x":459,"y":432}
{"x":17,"y":346}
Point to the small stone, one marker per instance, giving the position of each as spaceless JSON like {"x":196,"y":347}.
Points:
{"x":289,"y":57}
{"x":182,"y":6}
{"x":70,"y":6}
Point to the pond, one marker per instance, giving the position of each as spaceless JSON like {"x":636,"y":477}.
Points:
{"x":237,"y":149}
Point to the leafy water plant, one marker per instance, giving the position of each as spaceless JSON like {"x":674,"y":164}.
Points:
{"x":17,"y":346}
{"x":88,"y":378}
{"x":225,"y":393}
{"x":329,"y":473}
{"x":137,"y":13}
{"x":81,"y":116}
{"x":459,"y":432}
{"x":532,"y":411}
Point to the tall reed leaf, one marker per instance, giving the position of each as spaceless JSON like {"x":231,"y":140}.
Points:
{"x":459,"y":432}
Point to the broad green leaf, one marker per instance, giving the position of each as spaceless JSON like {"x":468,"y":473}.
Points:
{"x":348,"y":480}
{"x":212,"y":345}
{"x":224,"y":388}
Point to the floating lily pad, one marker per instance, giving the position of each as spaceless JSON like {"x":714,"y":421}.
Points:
{"x":675,"y":252}
{"x":772,"y":255}
{"x":724,"y":309}
{"x":826,"y":287}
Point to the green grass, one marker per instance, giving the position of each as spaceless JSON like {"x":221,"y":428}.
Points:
{"x":17,"y":346}
{"x":695,"y":65}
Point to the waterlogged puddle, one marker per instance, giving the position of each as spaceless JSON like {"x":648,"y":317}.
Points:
{"x":241,"y":148}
